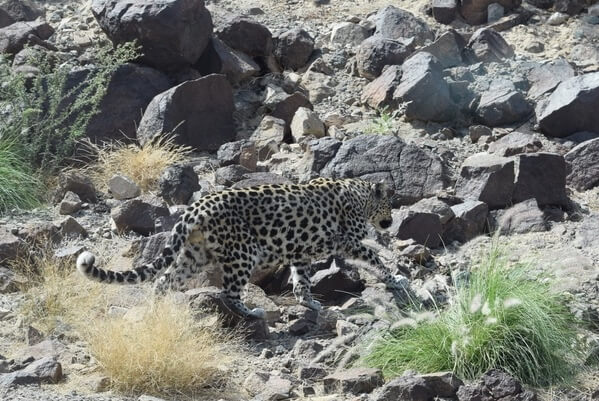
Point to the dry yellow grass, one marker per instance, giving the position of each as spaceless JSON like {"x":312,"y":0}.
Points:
{"x":164,"y":351}
{"x":143,"y":164}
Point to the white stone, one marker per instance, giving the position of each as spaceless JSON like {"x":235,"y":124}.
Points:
{"x":122,"y":187}
{"x":306,"y":122}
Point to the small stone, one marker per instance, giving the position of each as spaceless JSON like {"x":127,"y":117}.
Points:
{"x":348,"y":34}
{"x":354,"y":381}
{"x":478,"y":131}
{"x":269,"y":135}
{"x":494,"y":12}
{"x":70,"y":228}
{"x":122,"y":187}
{"x":71,"y":203}
{"x":557,"y":18}
{"x":306,"y":122}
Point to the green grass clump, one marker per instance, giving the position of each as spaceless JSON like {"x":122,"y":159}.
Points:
{"x":383,"y":124}
{"x":502,"y":319}
{"x":19,"y":185}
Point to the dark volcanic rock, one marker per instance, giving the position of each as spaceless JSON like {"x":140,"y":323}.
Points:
{"x":172,"y":33}
{"x":335,"y":284}
{"x":376,"y":52}
{"x":423,"y":227}
{"x":379,"y":93}
{"x":248,"y":36}
{"x":218,"y":58}
{"x":522,"y":218}
{"x":138,"y":215}
{"x":411,"y":172}
{"x":177,"y":184}
{"x":541,"y":176}
{"x":14,"y":37}
{"x":444,"y":11}
{"x":423,"y":86}
{"x":501,"y":106}
{"x":475,"y":11}
{"x":19,"y":10}
{"x":572,"y":107}
{"x":469,"y":221}
{"x":353,"y":381}
{"x":487,"y":45}
{"x":293,"y":48}
{"x":583,"y":165}
{"x":447,"y":49}
{"x":199,"y":113}
{"x":286,"y":108}
{"x":419,"y":387}
{"x":394,"y":23}
{"x":515,"y":143}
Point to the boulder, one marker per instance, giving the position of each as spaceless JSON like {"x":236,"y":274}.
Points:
{"x":5,"y":18}
{"x":20,"y":10}
{"x":447,"y":48}
{"x":122,"y":187}
{"x":229,"y":175}
{"x":199,"y":113}
{"x":394,"y":23}
{"x":247,"y":36}
{"x":541,"y":176}
{"x":286,"y":107}
{"x":424,"y":90}
{"x":335,"y":284}
{"x":502,"y":106}
{"x":379,"y":93}
{"x":487,"y":178}
{"x":436,"y":206}
{"x":376,"y":52}
{"x":546,"y":77}
{"x":469,"y":221}
{"x":14,"y":37}
{"x":444,"y":11}
{"x":130,"y":89}
{"x":423,"y":227}
{"x":348,"y":34}
{"x":306,"y":122}
{"x":515,"y":143}
{"x":475,"y":11}
{"x":583,"y":165}
{"x":177,"y":183}
{"x":319,"y":86}
{"x":268,"y":136}
{"x":522,"y":218}
{"x":9,"y":245}
{"x":353,"y":381}
{"x":71,"y":203}
{"x":487,"y":45}
{"x":71,"y":228}
{"x":138,"y":215}
{"x":293,"y":48}
{"x":218,"y":58}
{"x":419,"y":387}
{"x":242,"y":152}
{"x":172,"y":33}
{"x":571,"y":7}
{"x":412,"y":173}
{"x":320,"y":151}
{"x":495,"y":385}
{"x":77,"y":183}
{"x":572,"y":107}
{"x":44,"y":370}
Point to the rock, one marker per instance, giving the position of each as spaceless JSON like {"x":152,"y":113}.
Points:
{"x":122,"y":187}
{"x":293,"y":48}
{"x":255,"y":179}
{"x":572,"y":107}
{"x":172,"y":33}
{"x":557,"y":18}
{"x":218,"y":58}
{"x":306,"y":122}
{"x":130,"y":89}
{"x":444,"y":11}
{"x":247,"y":36}
{"x":348,"y":34}
{"x":443,"y":384}
{"x":20,"y":10}
{"x":9,"y":245}
{"x":335,"y":283}
{"x":487,"y":45}
{"x":44,"y":370}
{"x":541,"y":176}
{"x":320,"y":151}
{"x":138,"y":215}
{"x":546,"y":77}
{"x":544,"y":4}
{"x":319,"y":86}
{"x":424,"y":89}
{"x":423,"y":227}
{"x":476,"y":132}
{"x":77,"y":183}
{"x":210,"y":298}
{"x":487,"y":178}
{"x":71,"y":203}
{"x":571,"y":7}
{"x":71,"y":228}
{"x":229,"y":175}
{"x":379,"y":93}
{"x":198,"y":112}
{"x":5,"y":18}
{"x":495,"y":12}
{"x":242,"y":152}
{"x":434,"y":205}
{"x":447,"y":48}
{"x":515,"y":143}
{"x":502,"y":106}
{"x":353,"y":381}
{"x":285,"y":109}
{"x":408,"y":388}
{"x":269,"y":135}
{"x":394,"y":23}
{"x":523,"y":217}
{"x":475,"y":11}
{"x":411,"y":172}
{"x":469,"y":221}
{"x":583,"y":165}
{"x":177,"y":183}
{"x":376,"y":52}
{"x":14,"y":37}
{"x":311,"y":372}
{"x":255,"y":297}
{"x":267,"y":387}
{"x":579,"y":137}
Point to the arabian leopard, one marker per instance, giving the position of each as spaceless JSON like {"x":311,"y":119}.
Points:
{"x":259,"y":227}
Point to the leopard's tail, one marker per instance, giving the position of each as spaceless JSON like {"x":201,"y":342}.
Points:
{"x":86,"y":261}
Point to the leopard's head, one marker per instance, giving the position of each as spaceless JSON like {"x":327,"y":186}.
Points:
{"x":379,"y":207}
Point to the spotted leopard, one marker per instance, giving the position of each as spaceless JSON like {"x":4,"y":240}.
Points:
{"x":242,"y":230}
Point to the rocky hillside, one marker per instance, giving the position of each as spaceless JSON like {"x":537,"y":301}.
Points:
{"x":481,"y":116}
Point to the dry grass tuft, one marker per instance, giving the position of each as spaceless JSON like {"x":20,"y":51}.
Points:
{"x":163,"y":351}
{"x":143,"y":164}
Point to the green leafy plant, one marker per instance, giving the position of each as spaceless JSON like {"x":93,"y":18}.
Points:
{"x":502,"y":319}
{"x":383,"y":124}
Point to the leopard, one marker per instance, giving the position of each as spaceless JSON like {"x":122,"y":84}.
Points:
{"x":266,"y":226}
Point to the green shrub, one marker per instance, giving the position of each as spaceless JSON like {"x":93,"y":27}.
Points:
{"x":502,"y":319}
{"x":383,"y":124}
{"x":19,"y":185}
